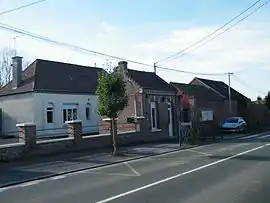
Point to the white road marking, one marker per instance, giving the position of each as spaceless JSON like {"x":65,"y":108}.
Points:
{"x":113,"y":174}
{"x":178,"y":175}
{"x":58,"y":177}
{"x":251,"y":136}
{"x":132,"y":169}
{"x":265,"y":136}
{"x":198,"y":152}
{"x":30,"y":183}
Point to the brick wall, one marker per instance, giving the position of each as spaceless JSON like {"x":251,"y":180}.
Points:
{"x":216,"y":106}
{"x":63,"y":145}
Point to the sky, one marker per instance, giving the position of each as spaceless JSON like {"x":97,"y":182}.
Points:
{"x":148,"y":31}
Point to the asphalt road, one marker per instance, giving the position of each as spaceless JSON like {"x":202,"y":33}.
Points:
{"x":228,"y":172}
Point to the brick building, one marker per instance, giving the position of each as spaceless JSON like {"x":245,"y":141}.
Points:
{"x":202,"y":99}
{"x":239,"y":102}
{"x":149,"y":95}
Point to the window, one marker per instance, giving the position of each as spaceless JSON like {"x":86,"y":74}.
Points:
{"x":70,"y":112}
{"x":153,"y":115}
{"x":87,"y":112}
{"x":49,"y":112}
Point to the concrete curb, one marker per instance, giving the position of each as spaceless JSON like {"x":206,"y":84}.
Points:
{"x":107,"y":164}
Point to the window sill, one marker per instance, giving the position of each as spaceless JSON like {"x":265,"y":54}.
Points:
{"x":155,"y":130}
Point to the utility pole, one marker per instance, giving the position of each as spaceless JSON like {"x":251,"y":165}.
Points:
{"x":155,"y":67}
{"x":229,"y":92}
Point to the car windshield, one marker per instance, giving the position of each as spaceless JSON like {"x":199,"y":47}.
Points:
{"x":231,"y":120}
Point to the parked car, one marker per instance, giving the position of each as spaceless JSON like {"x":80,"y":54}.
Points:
{"x":234,"y":124}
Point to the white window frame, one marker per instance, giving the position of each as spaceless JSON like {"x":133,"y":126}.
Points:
{"x":153,"y":122}
{"x":70,"y":107}
{"x":50,"y":108}
{"x":88,"y":106}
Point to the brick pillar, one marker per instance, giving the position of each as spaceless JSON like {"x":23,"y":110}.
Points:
{"x":75,"y":130}
{"x":27,"y":134}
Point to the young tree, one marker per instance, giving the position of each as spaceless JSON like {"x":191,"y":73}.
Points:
{"x":112,"y":98}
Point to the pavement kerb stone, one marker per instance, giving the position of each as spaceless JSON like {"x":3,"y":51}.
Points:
{"x":112,"y":163}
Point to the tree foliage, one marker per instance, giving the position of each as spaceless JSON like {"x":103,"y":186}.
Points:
{"x":267,"y":100}
{"x":111,"y":91}
{"x":259,"y":100}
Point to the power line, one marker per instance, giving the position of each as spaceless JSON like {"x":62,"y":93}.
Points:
{"x":84,"y":50}
{"x":190,"y":72}
{"x":21,"y":7}
{"x":67,"y":45}
{"x":207,"y":36}
{"x":242,"y":19}
{"x":239,"y":80}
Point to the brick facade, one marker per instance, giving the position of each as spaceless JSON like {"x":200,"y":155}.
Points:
{"x":27,"y":134}
{"x":133,"y":90}
{"x":75,"y":130}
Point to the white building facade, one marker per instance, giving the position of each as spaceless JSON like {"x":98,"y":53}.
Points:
{"x":49,"y":112}
{"x":49,"y":93}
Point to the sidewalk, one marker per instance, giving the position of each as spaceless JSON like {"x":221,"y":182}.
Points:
{"x":43,"y":167}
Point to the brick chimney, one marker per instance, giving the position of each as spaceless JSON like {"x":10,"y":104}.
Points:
{"x":16,"y":71}
{"x":123,"y":66}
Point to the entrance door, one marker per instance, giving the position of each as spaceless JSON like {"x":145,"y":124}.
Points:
{"x":170,"y":120}
{"x":49,"y":120}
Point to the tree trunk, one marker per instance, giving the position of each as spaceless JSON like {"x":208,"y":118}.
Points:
{"x":114,"y":135}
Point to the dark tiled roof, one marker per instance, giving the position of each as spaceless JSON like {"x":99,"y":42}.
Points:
{"x":150,"y":80}
{"x":51,"y":76}
{"x":199,"y":92}
{"x":222,"y":88}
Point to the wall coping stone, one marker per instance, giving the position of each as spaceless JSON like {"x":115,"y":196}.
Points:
{"x":25,"y":124}
{"x":54,"y":140}
{"x":108,"y":119}
{"x":10,"y":145}
{"x":74,"y":121}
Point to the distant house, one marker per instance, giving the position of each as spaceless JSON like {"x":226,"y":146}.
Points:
{"x":152,"y":98}
{"x":200,"y":98}
{"x":239,"y":103}
{"x":49,"y":93}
